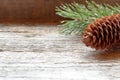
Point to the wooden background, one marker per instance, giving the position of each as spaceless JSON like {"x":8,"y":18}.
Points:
{"x":36,"y":11}
{"x":41,"y":53}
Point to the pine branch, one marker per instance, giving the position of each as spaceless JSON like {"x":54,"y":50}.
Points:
{"x":82,"y":15}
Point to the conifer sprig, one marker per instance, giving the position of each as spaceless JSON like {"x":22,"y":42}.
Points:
{"x":80,"y":15}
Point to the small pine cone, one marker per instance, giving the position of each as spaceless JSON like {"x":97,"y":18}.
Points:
{"x":103,"y":33}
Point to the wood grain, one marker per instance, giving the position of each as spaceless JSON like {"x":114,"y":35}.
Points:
{"x":35,"y":11}
{"x":41,"y":53}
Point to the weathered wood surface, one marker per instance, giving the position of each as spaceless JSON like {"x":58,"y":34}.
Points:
{"x":41,"y":53}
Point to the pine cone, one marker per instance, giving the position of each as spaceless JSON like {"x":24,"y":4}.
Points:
{"x":103,"y":33}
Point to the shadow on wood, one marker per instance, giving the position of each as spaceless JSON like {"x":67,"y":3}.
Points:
{"x":106,"y":55}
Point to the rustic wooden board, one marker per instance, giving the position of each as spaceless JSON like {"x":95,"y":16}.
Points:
{"x":41,"y":53}
{"x":36,"y":11}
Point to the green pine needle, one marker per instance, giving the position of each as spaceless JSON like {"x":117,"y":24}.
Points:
{"x":80,"y":15}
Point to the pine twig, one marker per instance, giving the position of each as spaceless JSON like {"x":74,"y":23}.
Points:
{"x":82,"y":15}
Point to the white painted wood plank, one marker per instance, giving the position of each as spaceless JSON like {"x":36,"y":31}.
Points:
{"x":41,"y":53}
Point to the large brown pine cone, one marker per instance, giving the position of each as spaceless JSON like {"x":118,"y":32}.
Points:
{"x":103,"y":33}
